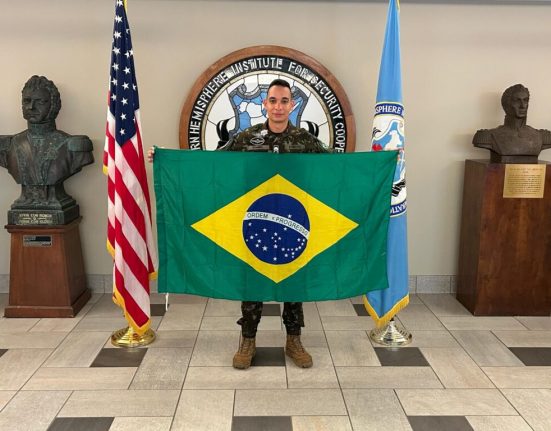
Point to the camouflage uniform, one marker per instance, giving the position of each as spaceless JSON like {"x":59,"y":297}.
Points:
{"x":292,"y":140}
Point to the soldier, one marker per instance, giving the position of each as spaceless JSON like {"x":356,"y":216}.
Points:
{"x":277,"y":134}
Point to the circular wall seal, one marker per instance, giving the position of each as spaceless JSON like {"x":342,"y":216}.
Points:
{"x":227,"y":98}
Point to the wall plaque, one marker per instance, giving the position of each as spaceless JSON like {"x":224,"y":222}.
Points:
{"x":227,"y":98}
{"x":524,"y":181}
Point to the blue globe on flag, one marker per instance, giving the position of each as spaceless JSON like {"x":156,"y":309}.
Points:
{"x":276,"y":228}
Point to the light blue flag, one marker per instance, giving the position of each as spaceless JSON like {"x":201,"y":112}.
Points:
{"x":388,"y":134}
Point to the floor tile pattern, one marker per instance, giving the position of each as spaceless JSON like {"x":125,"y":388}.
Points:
{"x":460,"y":373}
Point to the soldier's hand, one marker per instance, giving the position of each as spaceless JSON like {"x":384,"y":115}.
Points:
{"x":150,"y":154}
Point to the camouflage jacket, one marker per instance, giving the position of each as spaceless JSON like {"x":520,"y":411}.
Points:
{"x":260,"y":138}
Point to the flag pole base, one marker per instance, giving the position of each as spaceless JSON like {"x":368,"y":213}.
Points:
{"x":391,"y":335}
{"x":127,"y":337}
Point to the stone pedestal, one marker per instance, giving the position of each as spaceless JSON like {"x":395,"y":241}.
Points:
{"x":505,"y":246}
{"x":47,"y":276}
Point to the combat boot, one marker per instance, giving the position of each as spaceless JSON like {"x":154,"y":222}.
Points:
{"x":296,"y":352}
{"x":244,"y":356}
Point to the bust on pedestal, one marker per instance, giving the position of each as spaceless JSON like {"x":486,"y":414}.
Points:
{"x":514,"y":142}
{"x":504,"y":243}
{"x":46,"y":268}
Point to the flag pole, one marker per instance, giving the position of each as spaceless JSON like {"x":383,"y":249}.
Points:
{"x":388,"y":134}
{"x":129,"y":232}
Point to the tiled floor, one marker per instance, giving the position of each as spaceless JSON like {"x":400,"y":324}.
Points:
{"x":460,"y":373}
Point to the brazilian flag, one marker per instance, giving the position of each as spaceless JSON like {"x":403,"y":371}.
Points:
{"x":272,"y":227}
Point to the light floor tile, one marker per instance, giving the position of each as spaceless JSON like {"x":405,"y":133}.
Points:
{"x":183,"y":317}
{"x":455,"y":368}
{"x":535,"y":323}
{"x":321,"y":375}
{"x":173,"y":339}
{"x":16,"y":324}
{"x":289,"y":402}
{"x":70,"y":379}
{"x":32,"y":411}
{"x":533,"y":405}
{"x":224,"y":308}
{"x":55,"y":325}
{"x":498,"y":423}
{"x":312,"y":321}
{"x":5,"y":396}
{"x":215,"y":348}
{"x":486,"y":349}
{"x":524,"y":338}
{"x":180,"y":298}
{"x":321,"y":423}
{"x":351,"y":348}
{"x":345,"y":323}
{"x":120,"y":403}
{"x":444,"y":304}
{"x":162,"y":369}
{"x":375,"y":410}
{"x":271,"y":338}
{"x":217,"y":323}
{"x":520,"y":377}
{"x":454,"y":402}
{"x":18,"y":365}
{"x":474,"y":323}
{"x":60,"y":325}
{"x":100,"y":323}
{"x":387,"y":377}
{"x":269,"y":323}
{"x":342,"y":307}
{"x":436,"y":338}
{"x":31,"y":340}
{"x":78,"y":350}
{"x":104,"y":307}
{"x":141,"y":423}
{"x":313,"y":338}
{"x":204,"y":410}
{"x":229,"y":378}
{"x":419,"y":317}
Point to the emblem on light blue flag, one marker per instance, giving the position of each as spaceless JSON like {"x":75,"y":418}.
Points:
{"x":388,"y":134}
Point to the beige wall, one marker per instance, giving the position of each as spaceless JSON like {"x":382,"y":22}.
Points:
{"x":456,"y":60}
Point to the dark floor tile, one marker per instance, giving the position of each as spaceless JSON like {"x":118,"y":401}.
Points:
{"x":84,"y":424}
{"x":360,"y":310}
{"x":158,"y":309}
{"x":269,"y":357}
{"x":271,"y":310}
{"x":119,"y":358}
{"x":261,"y":423}
{"x":2,"y":351}
{"x":533,"y":356}
{"x":401,"y":357}
{"x":439,"y":423}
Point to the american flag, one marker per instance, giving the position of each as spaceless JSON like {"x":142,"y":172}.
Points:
{"x":129,"y":236}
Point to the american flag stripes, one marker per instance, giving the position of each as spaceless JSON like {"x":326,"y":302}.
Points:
{"x":129,"y":234}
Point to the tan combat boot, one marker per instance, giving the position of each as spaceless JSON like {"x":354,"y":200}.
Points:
{"x":244,"y":356}
{"x":296,"y":352}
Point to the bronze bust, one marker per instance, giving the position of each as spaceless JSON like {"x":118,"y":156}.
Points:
{"x":514,"y":142}
{"x":42,"y":157}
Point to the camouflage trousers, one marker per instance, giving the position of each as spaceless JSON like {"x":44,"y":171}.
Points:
{"x":293,"y":317}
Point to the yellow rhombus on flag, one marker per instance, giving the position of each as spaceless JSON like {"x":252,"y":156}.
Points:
{"x":225,"y":227}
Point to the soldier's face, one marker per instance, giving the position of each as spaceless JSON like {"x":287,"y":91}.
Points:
{"x":36,"y":105}
{"x":278,"y":104}
{"x":519,"y":104}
